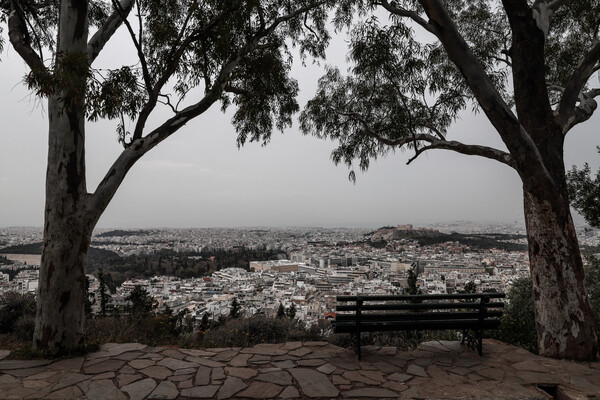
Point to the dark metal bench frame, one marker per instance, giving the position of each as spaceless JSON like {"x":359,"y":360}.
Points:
{"x":473,"y":312}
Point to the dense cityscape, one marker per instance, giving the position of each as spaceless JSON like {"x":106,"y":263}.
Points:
{"x":313,"y":265}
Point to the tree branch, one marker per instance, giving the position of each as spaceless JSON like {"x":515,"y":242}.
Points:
{"x":138,"y":147}
{"x":575,"y":85}
{"x":519,"y":143}
{"x":19,"y":38}
{"x":103,"y":35}
{"x":138,"y":46}
{"x":434,"y":142}
{"x":468,"y":149}
{"x":586,"y":108}
{"x":394,"y":9}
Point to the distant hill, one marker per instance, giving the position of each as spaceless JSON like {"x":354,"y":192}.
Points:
{"x":95,"y":255}
{"x":482,"y":241}
{"x":124,"y":233}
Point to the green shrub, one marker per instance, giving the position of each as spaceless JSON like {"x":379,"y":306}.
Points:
{"x":15,"y":307}
{"x":517,"y":324}
{"x":250,"y":331}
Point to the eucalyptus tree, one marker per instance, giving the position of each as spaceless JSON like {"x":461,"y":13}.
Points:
{"x":530,"y":66}
{"x":190,"y":56}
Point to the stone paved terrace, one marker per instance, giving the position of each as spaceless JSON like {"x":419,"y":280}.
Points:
{"x":310,"y":370}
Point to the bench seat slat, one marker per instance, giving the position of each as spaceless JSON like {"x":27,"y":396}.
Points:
{"x":417,"y":316}
{"x":350,"y":327}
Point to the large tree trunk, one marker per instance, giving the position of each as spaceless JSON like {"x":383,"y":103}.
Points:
{"x":564,"y":320}
{"x":67,"y":226}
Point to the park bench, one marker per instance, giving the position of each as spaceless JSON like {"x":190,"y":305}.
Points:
{"x":469,"y":312}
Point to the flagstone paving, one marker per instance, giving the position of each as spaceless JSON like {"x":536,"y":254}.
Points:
{"x":310,"y":370}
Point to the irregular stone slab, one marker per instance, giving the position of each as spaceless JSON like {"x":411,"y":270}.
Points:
{"x":70,"y":379}
{"x":289,"y":392}
{"x":70,"y":364}
{"x":313,"y":383}
{"x":326,"y":369}
{"x":467,"y":362}
{"x":4,"y":354}
{"x":197,"y":353}
{"x":140,"y":389}
{"x":200,"y":392}
{"x":416,"y":370}
{"x":141,"y":364}
{"x":172,"y":353}
{"x":71,"y":392}
{"x":495,"y":374}
{"x":284,"y":364}
{"x":241,"y":360}
{"x":226,"y":355}
{"x":244,"y":373}
{"x":538,"y":377}
{"x":260,"y":390}
{"x":130,"y":355}
{"x":374,"y":375}
{"x":126,"y":369}
{"x":217,"y":374}
{"x":399,"y":377}
{"x":266,"y":349}
{"x":180,"y":378}
{"x":51,"y":376}
{"x":260,"y":359}
{"x":165,"y":390}
{"x":114,"y":349}
{"x":185,"y":371}
{"x":105,"y":375}
{"x":339,"y":380}
{"x":343,"y":364}
{"x":292,"y":345}
{"x":311,"y":363}
{"x":175,"y":364}
{"x":206,"y":362}
{"x":186,"y":384}
{"x":231,"y":386}
{"x":104,"y":366}
{"x":22,"y":364}
{"x":202,"y":376}
{"x":300,"y":352}
{"x":101,"y":390}
{"x":531,"y":366}
{"x":8,"y":380}
{"x":277,"y":377}
{"x":398,"y":387}
{"x":357,"y":376}
{"x":369,"y":392}
{"x":157,"y":372}
{"x":126,"y":379}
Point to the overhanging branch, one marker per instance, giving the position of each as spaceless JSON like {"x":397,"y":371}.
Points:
{"x":18,"y":35}
{"x":106,"y":31}
{"x":575,"y":85}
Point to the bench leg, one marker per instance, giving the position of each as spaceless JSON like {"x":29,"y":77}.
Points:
{"x":358,"y":345}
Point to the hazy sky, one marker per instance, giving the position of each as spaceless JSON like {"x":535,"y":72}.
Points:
{"x":198,"y":178}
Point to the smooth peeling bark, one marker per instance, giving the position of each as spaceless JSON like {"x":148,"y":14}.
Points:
{"x":67,"y":231}
{"x":564,"y":319}
{"x":61,"y":290}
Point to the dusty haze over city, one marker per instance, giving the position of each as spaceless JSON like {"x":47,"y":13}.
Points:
{"x":198,"y":178}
